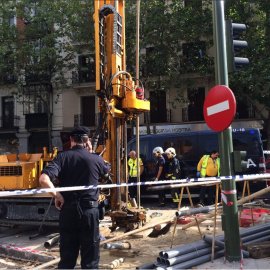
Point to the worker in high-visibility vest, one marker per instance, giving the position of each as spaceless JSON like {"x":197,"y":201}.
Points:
{"x":209,"y":166}
{"x":132,"y":172}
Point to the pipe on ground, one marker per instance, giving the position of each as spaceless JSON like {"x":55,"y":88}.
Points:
{"x":125,"y":245}
{"x":150,"y":265}
{"x":50,"y":243}
{"x":220,"y":244}
{"x":190,"y":256}
{"x":196,"y":261}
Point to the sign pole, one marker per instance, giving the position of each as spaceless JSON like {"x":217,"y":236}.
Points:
{"x":230,"y":224}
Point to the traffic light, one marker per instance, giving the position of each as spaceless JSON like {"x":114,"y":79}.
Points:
{"x":234,"y":47}
{"x":240,"y":164}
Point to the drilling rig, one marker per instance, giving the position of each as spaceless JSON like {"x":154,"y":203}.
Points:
{"x":119,"y":101}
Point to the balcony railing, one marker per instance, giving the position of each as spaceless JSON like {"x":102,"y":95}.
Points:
{"x":9,"y":79}
{"x":83,"y":76}
{"x":9,"y":122}
{"x":36,"y":120}
{"x":85,"y":120}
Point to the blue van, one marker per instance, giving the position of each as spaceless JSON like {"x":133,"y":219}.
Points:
{"x":191,"y":146}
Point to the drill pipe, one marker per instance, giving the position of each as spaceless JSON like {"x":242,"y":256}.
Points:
{"x":193,"y":211}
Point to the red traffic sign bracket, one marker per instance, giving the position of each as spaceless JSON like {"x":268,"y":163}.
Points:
{"x":219,"y":108}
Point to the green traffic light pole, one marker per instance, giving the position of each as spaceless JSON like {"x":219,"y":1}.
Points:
{"x":230,"y":224}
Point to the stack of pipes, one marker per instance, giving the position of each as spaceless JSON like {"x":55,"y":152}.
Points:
{"x":193,"y":254}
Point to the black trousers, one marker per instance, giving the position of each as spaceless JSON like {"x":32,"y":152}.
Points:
{"x":210,"y":191}
{"x":79,"y":234}
{"x":132,"y":189}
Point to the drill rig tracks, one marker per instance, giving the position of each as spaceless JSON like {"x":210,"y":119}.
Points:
{"x":28,"y":211}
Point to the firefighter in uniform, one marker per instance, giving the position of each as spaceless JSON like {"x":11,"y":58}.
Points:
{"x":132,"y":171}
{"x":209,"y":166}
{"x":172,"y":171}
{"x":160,"y":172}
{"x":79,"y":210}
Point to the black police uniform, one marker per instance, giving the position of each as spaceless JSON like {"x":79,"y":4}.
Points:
{"x":79,"y":216}
{"x":173,"y":173}
{"x":160,"y":162}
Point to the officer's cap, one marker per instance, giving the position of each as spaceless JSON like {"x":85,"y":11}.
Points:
{"x":80,"y":130}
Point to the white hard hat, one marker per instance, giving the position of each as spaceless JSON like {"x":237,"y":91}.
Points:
{"x":158,"y":150}
{"x":170,"y":151}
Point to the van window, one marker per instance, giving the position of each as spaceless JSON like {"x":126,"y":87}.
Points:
{"x":207,"y":143}
{"x":165,"y":142}
{"x":143,"y":148}
{"x":185,"y":146}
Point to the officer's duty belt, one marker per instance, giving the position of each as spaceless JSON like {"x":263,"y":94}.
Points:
{"x":89,"y":204}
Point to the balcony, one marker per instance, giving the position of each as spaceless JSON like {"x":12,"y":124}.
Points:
{"x":9,"y":122}
{"x":85,"y":120}
{"x":9,"y":79}
{"x":34,"y":77}
{"x":36,"y":120}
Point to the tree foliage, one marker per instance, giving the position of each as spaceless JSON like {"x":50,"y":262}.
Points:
{"x":165,"y":28}
{"x":39,"y":52}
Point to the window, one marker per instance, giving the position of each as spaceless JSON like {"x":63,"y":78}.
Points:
{"x":36,"y":99}
{"x":87,"y":68}
{"x":192,"y":59}
{"x":156,"y":63}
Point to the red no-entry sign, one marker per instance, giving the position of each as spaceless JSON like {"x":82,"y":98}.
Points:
{"x":219,"y":108}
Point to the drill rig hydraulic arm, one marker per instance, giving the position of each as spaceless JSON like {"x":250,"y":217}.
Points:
{"x":117,"y":102}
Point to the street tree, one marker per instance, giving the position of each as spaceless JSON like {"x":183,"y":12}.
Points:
{"x":251,"y":85}
{"x":39,"y":51}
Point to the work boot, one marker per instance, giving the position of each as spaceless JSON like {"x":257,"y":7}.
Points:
{"x":200,"y":204}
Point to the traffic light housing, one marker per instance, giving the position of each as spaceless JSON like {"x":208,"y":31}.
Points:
{"x":235,"y":46}
{"x":240,"y":165}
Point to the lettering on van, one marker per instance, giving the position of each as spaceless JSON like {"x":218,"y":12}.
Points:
{"x":165,"y":130}
{"x":250,"y":163}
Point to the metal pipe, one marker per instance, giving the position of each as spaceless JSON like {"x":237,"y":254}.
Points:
{"x":254,"y":236}
{"x":150,"y":265}
{"x":206,"y":258}
{"x":185,"y":249}
{"x":258,"y":240}
{"x":125,"y":245}
{"x":220,"y":244}
{"x":180,"y":250}
{"x":193,"y":211}
{"x":189,"y":184}
{"x":49,"y":243}
{"x":190,"y":256}
{"x":196,"y":261}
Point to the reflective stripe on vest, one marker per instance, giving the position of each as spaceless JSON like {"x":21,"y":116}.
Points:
{"x":204,"y":165}
{"x":133,"y":167}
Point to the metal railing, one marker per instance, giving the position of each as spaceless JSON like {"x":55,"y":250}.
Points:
{"x":9,"y":122}
{"x":85,"y":120}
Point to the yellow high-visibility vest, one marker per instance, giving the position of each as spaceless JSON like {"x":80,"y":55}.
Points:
{"x":204,"y":165}
{"x":133,"y":166}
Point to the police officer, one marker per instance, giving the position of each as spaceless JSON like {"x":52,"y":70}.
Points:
{"x":132,"y":171}
{"x":160,"y":172}
{"x":172,"y":171}
{"x":209,"y":166}
{"x":79,"y":213}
